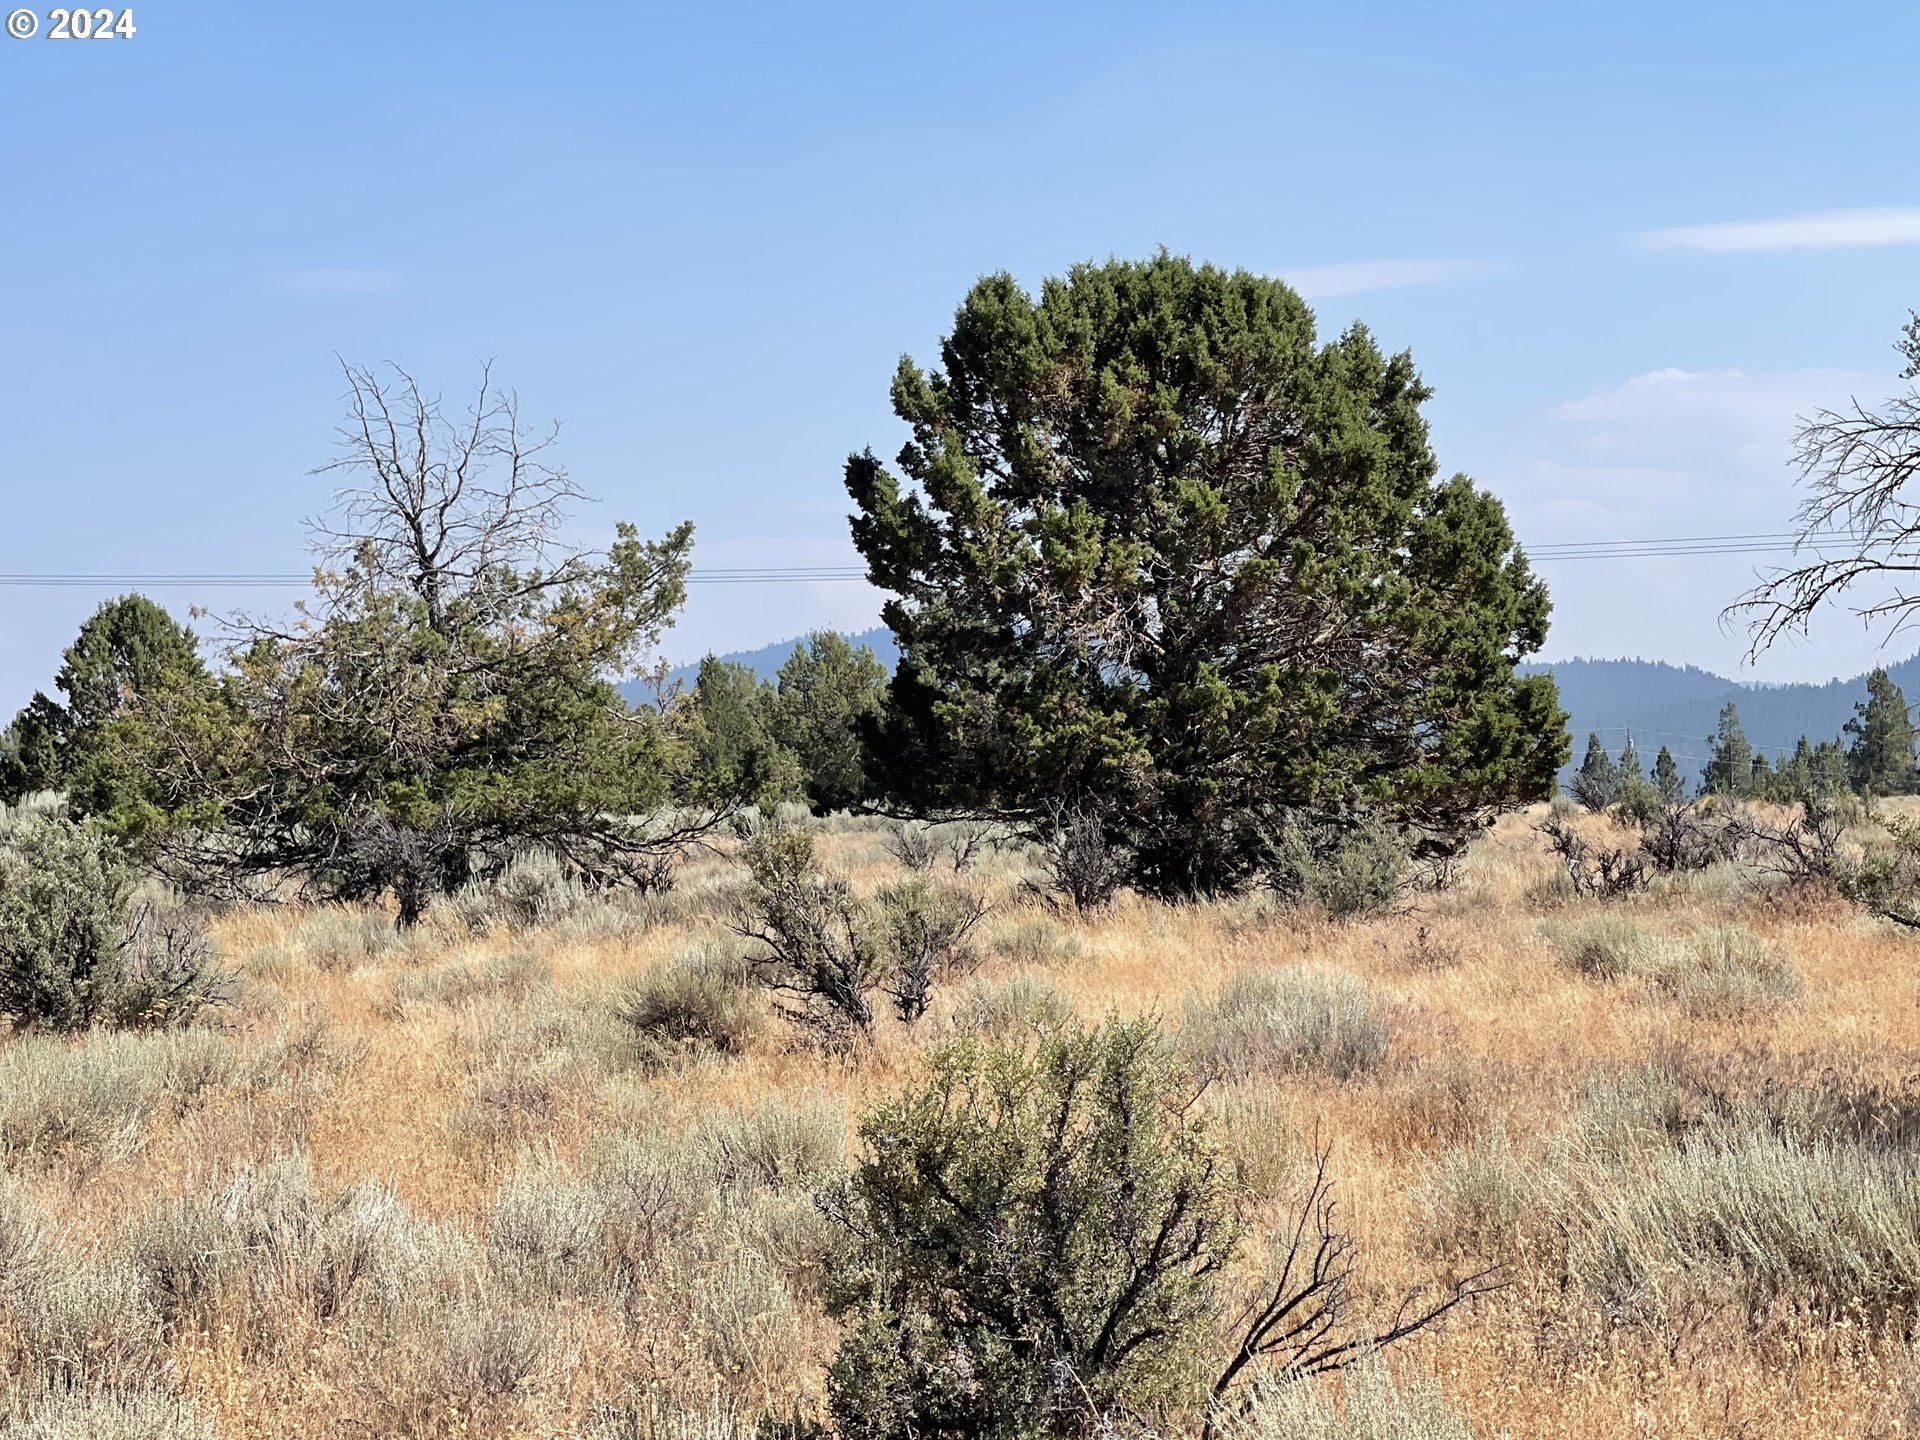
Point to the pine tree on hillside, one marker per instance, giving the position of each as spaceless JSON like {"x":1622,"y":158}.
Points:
{"x":1596,"y":784}
{"x":1630,"y":769}
{"x":1730,"y":767}
{"x":1666,"y":776}
{"x":1796,"y":777}
{"x":1830,"y":775}
{"x":1880,"y":759}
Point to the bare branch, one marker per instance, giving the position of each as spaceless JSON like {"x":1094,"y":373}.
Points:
{"x":1856,"y":523}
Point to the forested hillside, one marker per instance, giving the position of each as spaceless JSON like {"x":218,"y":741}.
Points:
{"x":1660,"y":704}
{"x":1678,"y":706}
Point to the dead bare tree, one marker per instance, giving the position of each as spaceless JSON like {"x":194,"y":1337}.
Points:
{"x":1301,"y":1321}
{"x":1598,"y":872}
{"x":1854,"y":466}
{"x":448,"y":696}
{"x":436,"y":504}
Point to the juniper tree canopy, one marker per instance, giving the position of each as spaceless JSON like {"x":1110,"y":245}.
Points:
{"x":1153,"y":549}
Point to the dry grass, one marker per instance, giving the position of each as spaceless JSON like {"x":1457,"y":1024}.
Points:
{"x":543,"y":1176}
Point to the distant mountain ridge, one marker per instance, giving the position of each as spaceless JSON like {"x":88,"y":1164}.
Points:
{"x":768,"y":659}
{"x":1679,"y":706}
{"x":1658,"y":704}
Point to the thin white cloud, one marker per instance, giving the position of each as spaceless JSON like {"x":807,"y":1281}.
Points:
{"x":1823,"y":230}
{"x":1357,"y":277}
{"x":342,"y":280}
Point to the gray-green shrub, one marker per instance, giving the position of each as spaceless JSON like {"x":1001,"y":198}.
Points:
{"x":1369,"y":1406}
{"x":1349,"y":867}
{"x":65,"y":1412}
{"x":1726,"y":971}
{"x":75,"y":948}
{"x":91,"y":1099}
{"x":1002,"y":1277}
{"x":1279,"y":1022}
{"x":703,"y":998}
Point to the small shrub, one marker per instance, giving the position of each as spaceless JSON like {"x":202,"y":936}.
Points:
{"x":64,"y":1412}
{"x":1595,"y":872}
{"x":1720,"y":972}
{"x":773,"y":1145}
{"x":546,"y":1236}
{"x":1476,"y":1199}
{"x":924,"y":933}
{"x":703,"y":998}
{"x":89,"y":1323}
{"x":514,"y":975}
{"x":342,"y":938}
{"x":816,"y":946}
{"x":1266,"y":1023}
{"x":536,"y":888}
{"x":1035,"y":940}
{"x":1833,"y":1229}
{"x":477,"y":1352}
{"x":305,"y":1254}
{"x":1369,"y":1407}
{"x":25,"y":1248}
{"x":1002,"y":1276}
{"x":914,"y":845}
{"x":91,"y":1100}
{"x":75,"y":948}
{"x":966,"y":841}
{"x":1012,"y":1006}
{"x":1349,"y":868}
{"x":1725,"y":972}
{"x":1083,"y":867}
{"x":1602,"y":947}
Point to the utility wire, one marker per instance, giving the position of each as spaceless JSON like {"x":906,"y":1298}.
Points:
{"x":1684,"y":545}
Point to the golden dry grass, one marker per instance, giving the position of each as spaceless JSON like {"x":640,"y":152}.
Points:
{"x":444,"y":1100}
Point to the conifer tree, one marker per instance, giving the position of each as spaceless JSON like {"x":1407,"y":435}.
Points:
{"x":1666,"y":777}
{"x":1630,"y":769}
{"x":1880,"y":760}
{"x":125,"y":649}
{"x":1596,"y":784}
{"x":1830,"y":774}
{"x":1159,"y":555}
{"x":827,"y":691}
{"x":1730,"y":763}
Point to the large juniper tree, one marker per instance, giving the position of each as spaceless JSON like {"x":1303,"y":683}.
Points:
{"x":1157,"y":552}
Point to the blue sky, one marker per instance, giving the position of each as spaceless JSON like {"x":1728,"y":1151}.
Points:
{"x":701,"y":236}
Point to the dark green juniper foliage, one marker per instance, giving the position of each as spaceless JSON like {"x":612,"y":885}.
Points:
{"x":730,"y":730}
{"x":1155,"y":547}
{"x":445,"y":701}
{"x":1032,"y":1237}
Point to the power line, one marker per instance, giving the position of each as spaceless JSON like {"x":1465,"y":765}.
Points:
{"x":1683,"y":545}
